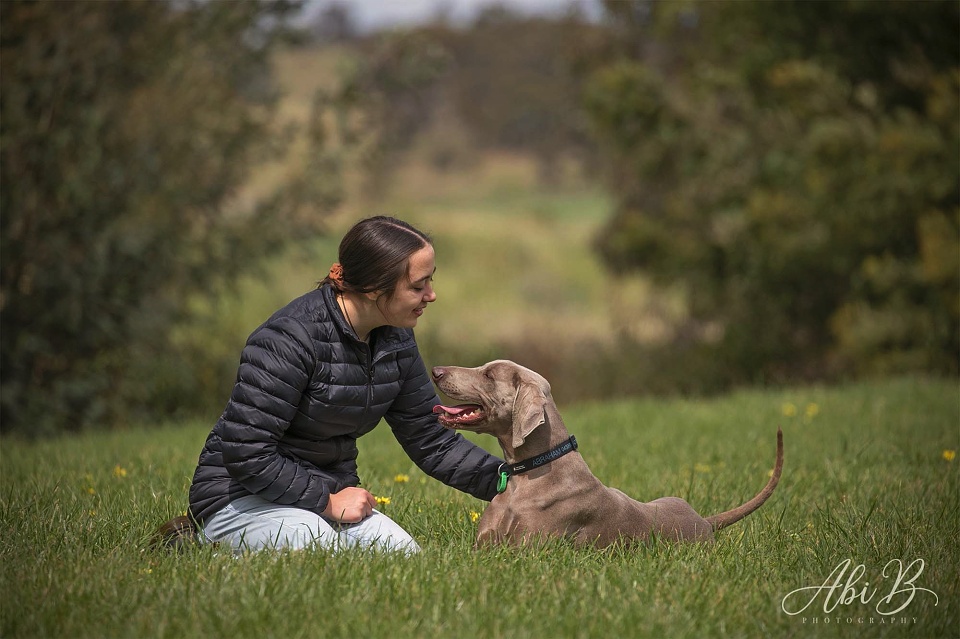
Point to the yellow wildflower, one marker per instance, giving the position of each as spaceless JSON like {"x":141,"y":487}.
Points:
{"x":812,"y":411}
{"x":88,"y":484}
{"x":383,"y":501}
{"x":119,"y":471}
{"x":789,"y":409}
{"x":949,"y":455}
{"x":474,"y":516}
{"x":701,"y":468}
{"x":401,"y":478}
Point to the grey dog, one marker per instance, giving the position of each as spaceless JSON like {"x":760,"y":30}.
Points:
{"x":546,"y":487}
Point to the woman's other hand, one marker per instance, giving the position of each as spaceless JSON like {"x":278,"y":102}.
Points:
{"x":350,"y":505}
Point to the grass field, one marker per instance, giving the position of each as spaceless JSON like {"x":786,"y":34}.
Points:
{"x":867,"y":478}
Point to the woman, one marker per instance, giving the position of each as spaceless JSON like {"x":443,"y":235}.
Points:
{"x":279,"y":468}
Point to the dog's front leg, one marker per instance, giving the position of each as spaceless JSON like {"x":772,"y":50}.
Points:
{"x":496,"y":523}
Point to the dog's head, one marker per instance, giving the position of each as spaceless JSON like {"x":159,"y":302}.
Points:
{"x":501,"y":398}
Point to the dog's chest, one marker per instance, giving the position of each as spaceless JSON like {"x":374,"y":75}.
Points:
{"x":525,"y":511}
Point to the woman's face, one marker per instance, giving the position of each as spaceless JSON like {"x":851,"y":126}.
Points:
{"x":413,"y":293}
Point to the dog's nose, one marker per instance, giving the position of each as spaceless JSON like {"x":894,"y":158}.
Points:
{"x":438,"y":372}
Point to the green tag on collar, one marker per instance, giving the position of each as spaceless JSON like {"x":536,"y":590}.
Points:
{"x":502,"y":484}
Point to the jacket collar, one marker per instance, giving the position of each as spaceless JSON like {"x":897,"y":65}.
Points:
{"x":383,"y":339}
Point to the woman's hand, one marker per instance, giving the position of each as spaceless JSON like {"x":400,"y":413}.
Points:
{"x":350,"y":505}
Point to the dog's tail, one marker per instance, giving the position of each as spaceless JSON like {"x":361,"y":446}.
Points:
{"x":733,"y":516}
{"x":175,"y":534}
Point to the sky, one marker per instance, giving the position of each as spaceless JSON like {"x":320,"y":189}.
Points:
{"x":378,"y":14}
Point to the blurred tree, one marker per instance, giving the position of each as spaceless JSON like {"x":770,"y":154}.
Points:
{"x":389,"y":94}
{"x":128,"y":129}
{"x":333,"y":23}
{"x":513,"y":80}
{"x":506,"y":82}
{"x":795,"y":165}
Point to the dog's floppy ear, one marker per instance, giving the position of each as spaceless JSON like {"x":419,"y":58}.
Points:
{"x":528,"y":411}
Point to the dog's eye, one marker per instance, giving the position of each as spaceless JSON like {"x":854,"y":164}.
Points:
{"x":488,"y":375}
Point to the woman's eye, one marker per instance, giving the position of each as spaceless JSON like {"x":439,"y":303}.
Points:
{"x":424,"y":287}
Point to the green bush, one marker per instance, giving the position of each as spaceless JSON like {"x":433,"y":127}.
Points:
{"x":127,"y":131}
{"x":800,"y":184}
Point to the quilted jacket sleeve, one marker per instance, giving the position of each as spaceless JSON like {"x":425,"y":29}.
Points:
{"x":275,"y":367}
{"x":441,"y":453}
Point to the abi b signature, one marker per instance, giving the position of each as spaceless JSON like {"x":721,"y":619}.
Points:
{"x":847,"y":586}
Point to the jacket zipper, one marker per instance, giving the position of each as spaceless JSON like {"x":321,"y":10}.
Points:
{"x":369,"y":361}
{"x":370,"y":381}
{"x":368,"y":366}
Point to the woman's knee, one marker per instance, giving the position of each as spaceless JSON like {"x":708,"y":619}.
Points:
{"x":381,"y":533}
{"x":252,"y":524}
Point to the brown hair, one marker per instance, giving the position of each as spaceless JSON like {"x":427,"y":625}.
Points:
{"x":374,"y":255}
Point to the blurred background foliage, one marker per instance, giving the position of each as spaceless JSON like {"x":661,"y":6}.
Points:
{"x":678,"y":197}
{"x":795,"y":166}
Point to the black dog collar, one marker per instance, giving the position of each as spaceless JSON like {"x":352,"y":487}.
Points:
{"x":535,"y":462}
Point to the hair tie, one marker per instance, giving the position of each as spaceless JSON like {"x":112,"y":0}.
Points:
{"x":336,"y":274}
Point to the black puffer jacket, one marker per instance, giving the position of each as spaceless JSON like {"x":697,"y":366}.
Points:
{"x":307,"y":388}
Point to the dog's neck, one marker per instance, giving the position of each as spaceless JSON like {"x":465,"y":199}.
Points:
{"x":551,"y":433}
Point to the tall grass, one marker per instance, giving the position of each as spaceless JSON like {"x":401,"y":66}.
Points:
{"x":865,"y":479}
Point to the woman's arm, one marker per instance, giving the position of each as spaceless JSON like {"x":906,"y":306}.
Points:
{"x":276,"y":366}
{"x":441,"y":453}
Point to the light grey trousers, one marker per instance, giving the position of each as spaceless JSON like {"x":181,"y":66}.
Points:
{"x":252,"y":523}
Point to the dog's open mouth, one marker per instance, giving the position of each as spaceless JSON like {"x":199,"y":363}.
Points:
{"x":462,"y":415}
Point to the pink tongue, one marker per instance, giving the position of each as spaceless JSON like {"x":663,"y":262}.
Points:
{"x":455,"y":410}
